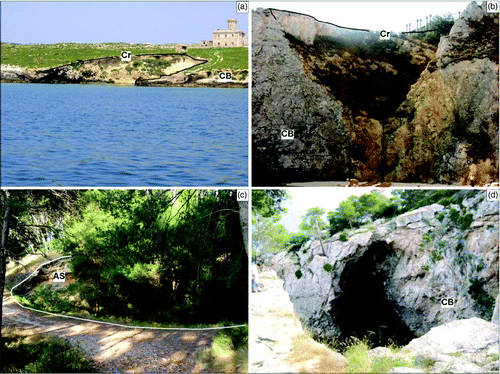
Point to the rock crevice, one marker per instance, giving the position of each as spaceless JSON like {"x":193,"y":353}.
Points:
{"x":363,"y":108}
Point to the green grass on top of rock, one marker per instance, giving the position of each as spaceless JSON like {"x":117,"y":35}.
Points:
{"x":38,"y":56}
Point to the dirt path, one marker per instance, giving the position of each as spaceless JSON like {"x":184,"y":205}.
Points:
{"x":278,"y":343}
{"x":116,"y":349}
{"x":274,"y":326}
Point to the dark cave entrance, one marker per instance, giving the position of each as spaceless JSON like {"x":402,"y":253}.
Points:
{"x":363,"y":310}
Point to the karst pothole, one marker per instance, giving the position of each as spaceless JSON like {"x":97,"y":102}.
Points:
{"x":364,"y":309}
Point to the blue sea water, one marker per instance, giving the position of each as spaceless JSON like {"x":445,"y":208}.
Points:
{"x":106,"y":136}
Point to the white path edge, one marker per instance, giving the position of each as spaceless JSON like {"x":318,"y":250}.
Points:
{"x":102,"y":322}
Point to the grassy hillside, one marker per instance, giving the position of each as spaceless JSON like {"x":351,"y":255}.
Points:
{"x":51,"y":55}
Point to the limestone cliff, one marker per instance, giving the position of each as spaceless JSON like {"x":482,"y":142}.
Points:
{"x":387,"y":280}
{"x":447,"y":128}
{"x":363,"y":108}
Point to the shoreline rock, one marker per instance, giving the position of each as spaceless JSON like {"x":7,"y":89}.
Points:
{"x":143,"y":70}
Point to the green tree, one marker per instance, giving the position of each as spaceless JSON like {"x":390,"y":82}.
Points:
{"x":165,"y":255}
{"x":269,"y":202}
{"x":268,"y":236}
{"x":314,"y":226}
{"x":438,"y":26}
{"x":28,"y":215}
{"x":414,"y":199}
{"x":355,"y":211}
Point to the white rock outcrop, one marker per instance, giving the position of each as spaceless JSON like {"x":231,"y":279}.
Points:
{"x":390,"y":280}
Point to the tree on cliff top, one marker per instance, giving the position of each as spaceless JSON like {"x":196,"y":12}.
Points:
{"x":355,"y":211}
{"x":441,"y":26}
{"x":314,"y":226}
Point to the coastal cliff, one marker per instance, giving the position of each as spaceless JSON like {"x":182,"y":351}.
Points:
{"x":142,"y":70}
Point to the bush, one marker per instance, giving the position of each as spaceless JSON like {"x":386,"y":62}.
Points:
{"x":42,"y":354}
{"x":466,"y":221}
{"x":426,"y":239}
{"x":444,"y":201}
{"x":454,"y":215}
{"x":228,"y":353}
{"x":344,"y":237}
{"x":296,"y":242}
{"x":388,"y":211}
{"x":298,"y":274}
{"x":357,"y":357}
{"x":328,"y":267}
{"x":436,"y":255}
{"x":485,"y":302}
{"x":44,"y":298}
{"x":442,"y":26}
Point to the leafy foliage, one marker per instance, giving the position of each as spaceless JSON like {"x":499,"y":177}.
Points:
{"x":269,"y":202}
{"x":328,"y":267}
{"x":355,"y":211}
{"x":160,"y":255}
{"x":484,"y":301}
{"x":441,"y":26}
{"x":414,"y":199}
{"x":228,"y":353}
{"x":43,"y":354}
{"x":35,"y":216}
{"x":296,"y":242}
{"x":344,"y":237}
{"x":313,"y":224}
{"x":268,"y":236}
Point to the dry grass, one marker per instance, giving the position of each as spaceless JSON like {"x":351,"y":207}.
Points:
{"x":221,"y":357}
{"x":312,"y":357}
{"x":282,"y":313}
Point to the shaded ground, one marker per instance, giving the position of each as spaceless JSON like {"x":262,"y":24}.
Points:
{"x":116,"y":349}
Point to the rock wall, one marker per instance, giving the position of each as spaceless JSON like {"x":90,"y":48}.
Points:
{"x":362,"y":108}
{"x":388,"y":279}
{"x":447,"y":129}
{"x":284,"y":97}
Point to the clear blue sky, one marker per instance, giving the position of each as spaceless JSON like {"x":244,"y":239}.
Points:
{"x":131,"y":22}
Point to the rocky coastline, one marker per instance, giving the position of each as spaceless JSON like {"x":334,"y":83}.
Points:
{"x":158,"y":70}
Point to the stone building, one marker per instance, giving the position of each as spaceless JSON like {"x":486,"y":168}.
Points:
{"x":231,"y":37}
{"x":181,"y":48}
{"x":206,"y":43}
